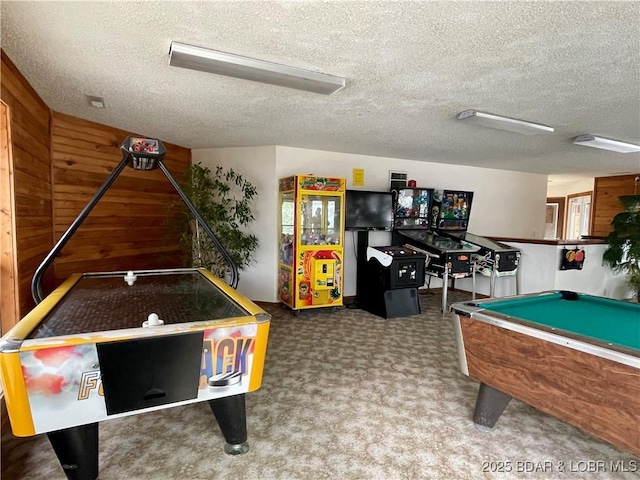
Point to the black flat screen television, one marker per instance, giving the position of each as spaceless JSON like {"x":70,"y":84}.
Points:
{"x":367,"y":210}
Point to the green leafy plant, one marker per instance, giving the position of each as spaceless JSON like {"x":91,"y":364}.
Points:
{"x":623,"y":252}
{"x":223,"y":198}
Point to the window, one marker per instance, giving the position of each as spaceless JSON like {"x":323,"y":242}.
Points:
{"x":579,"y":215}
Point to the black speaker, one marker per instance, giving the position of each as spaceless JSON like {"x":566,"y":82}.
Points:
{"x":399,"y":302}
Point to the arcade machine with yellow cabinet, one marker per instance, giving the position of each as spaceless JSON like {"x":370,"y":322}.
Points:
{"x":311,"y":248}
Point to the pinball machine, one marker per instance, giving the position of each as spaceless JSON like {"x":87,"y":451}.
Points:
{"x":436,"y":221}
{"x":493,"y":259}
{"x":419,"y":213}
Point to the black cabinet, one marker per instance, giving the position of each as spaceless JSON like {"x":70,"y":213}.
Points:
{"x":391,"y":277}
{"x":396,"y":267}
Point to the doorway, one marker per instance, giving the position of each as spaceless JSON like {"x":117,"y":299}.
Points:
{"x":554,"y":221}
{"x":578,"y":215}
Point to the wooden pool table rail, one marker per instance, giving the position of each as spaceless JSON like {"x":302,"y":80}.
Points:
{"x":599,"y":395}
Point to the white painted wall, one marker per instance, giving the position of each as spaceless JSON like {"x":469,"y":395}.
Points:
{"x":507,"y":204}
{"x":257,"y":165}
{"x":503,"y":200}
{"x":539,"y":270}
{"x":570,"y":188}
{"x":595,"y":278}
{"x":504,"y":204}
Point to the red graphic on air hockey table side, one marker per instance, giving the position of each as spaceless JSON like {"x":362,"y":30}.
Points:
{"x":52,"y":371}
{"x":38,"y":378}
{"x":54,"y":379}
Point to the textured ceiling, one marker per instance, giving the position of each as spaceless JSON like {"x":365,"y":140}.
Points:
{"x":411,"y":67}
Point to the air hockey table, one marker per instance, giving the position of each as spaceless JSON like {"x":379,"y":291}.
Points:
{"x":108,"y":345}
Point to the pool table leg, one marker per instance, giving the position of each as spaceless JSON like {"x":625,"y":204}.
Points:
{"x":77,"y":451}
{"x":489,"y":406}
{"x":230,"y":412}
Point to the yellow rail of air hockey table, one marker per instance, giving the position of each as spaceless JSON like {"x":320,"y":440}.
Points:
{"x":86,"y":353}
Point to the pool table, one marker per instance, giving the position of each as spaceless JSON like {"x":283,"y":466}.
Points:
{"x":108,"y":345}
{"x":573,"y":356}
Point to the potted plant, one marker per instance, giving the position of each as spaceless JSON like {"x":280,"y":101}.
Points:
{"x":223,"y":199}
{"x":623,"y":252}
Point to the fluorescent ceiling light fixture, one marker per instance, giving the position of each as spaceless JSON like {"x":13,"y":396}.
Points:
{"x":606,"y":144}
{"x":503,"y":123}
{"x":221,"y":63}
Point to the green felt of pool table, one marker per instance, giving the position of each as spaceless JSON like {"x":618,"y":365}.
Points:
{"x":603,"y":319}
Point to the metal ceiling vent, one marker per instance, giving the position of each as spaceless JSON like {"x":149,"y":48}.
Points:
{"x":96,"y":102}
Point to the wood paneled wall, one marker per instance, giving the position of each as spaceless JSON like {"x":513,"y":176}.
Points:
{"x":9,"y":298}
{"x":30,"y":140}
{"x":59,"y":164}
{"x":606,"y":204}
{"x":130,"y":228}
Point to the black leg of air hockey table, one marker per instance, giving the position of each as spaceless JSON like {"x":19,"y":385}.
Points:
{"x":230,"y":412}
{"x":77,"y":447}
{"x":77,"y":451}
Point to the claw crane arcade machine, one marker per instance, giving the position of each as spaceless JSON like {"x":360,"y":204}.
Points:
{"x":311,"y":248}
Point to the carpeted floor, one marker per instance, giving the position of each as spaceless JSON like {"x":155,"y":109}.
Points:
{"x":345,"y":395}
